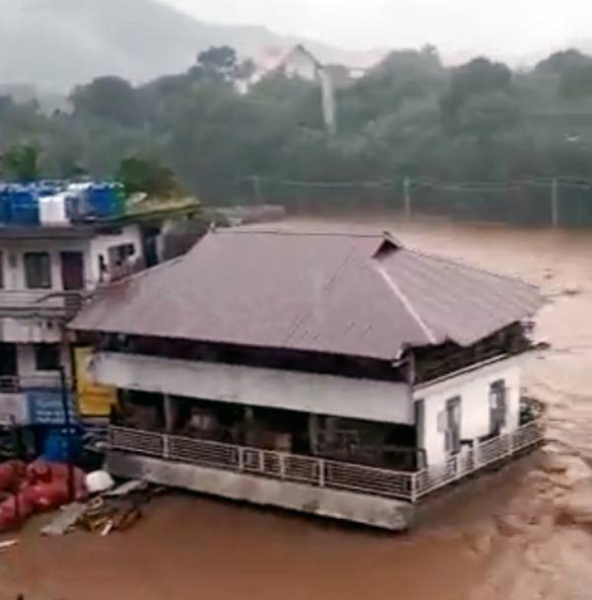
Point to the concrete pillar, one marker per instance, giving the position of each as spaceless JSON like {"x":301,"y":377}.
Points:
{"x":313,"y":434}
{"x":250,"y":426}
{"x":170,"y":413}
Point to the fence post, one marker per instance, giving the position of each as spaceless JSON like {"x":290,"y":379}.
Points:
{"x":413,"y":488}
{"x":555,"y":202}
{"x":322,"y":473}
{"x":282,"y":466}
{"x":510,"y":444}
{"x":261,"y":461}
{"x":256,"y":189}
{"x":241,"y":460}
{"x":476,"y":454}
{"x":165,"y":447}
{"x":407,"y":194}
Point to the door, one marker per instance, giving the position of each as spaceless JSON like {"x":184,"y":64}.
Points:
{"x":7,"y":359}
{"x":8,"y":367}
{"x":453,"y":426}
{"x":72,"y":271}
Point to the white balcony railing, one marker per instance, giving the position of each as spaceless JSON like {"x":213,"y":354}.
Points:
{"x":39,"y":302}
{"x":325,"y":473}
{"x":11,"y":384}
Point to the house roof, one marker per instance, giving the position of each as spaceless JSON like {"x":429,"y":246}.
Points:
{"x":349,"y":294}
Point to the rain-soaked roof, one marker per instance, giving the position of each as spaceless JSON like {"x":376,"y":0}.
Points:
{"x":340,"y":293}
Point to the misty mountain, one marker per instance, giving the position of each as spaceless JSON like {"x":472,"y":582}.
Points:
{"x":56,"y":44}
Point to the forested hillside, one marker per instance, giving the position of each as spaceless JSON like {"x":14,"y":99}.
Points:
{"x":409,"y":117}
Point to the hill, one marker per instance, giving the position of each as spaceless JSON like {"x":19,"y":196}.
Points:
{"x":56,"y":44}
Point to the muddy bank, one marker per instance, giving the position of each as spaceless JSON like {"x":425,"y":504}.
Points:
{"x":522,"y":533}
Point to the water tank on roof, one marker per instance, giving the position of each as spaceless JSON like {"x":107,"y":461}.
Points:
{"x":4,"y":214}
{"x":102,"y":201}
{"x":23,"y":206}
{"x":52,"y":209}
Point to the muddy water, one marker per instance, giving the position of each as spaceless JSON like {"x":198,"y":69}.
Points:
{"x":523,"y":533}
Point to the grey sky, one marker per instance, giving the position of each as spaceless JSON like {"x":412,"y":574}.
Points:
{"x":500,"y":27}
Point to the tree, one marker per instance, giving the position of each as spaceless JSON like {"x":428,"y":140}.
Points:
{"x":477,"y":77}
{"x":218,"y":63}
{"x":21,"y":163}
{"x":146,"y":175}
{"x":108,"y":98}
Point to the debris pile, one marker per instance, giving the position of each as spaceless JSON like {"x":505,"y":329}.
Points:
{"x":115,"y":510}
{"x":35,"y":488}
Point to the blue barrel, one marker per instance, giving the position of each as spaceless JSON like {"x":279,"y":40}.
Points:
{"x":4,"y":205}
{"x":55,"y":445}
{"x":102,"y":201}
{"x":24,"y":206}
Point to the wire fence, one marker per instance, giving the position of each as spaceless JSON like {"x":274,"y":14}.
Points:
{"x":558,"y":202}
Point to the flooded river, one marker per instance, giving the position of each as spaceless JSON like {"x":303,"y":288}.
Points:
{"x":520,"y":534}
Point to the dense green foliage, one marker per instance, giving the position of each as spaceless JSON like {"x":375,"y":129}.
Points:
{"x":408,"y":117}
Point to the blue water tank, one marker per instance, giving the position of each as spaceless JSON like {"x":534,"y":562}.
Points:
{"x":23,"y":206}
{"x":4,"y":205}
{"x":102,"y":201}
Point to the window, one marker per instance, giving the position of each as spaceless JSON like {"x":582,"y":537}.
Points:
{"x":37,"y":270}
{"x":118,"y":255}
{"x":47,"y":357}
{"x":498,"y":406}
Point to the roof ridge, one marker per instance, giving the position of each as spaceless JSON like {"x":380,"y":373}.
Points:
{"x":289,"y":233}
{"x":392,"y":284}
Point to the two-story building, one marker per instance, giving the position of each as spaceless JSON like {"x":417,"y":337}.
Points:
{"x":47,"y":271}
{"x":337,"y":374}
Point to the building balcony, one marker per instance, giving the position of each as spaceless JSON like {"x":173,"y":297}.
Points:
{"x":39,"y":303}
{"x":410,"y":487}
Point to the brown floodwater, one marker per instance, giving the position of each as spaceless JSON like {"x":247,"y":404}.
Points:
{"x":522,"y":533}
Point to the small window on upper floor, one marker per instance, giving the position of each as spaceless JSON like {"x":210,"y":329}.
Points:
{"x":47,"y":357}
{"x":37,"y":270}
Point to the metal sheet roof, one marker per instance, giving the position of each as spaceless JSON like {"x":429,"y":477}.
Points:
{"x":350,"y":294}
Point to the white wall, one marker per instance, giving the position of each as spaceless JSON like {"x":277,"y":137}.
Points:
{"x":473,"y":387}
{"x":35,"y":330}
{"x":14,"y":269}
{"x":14,"y":276}
{"x":100,"y":246}
{"x":318,"y":394}
{"x":29,"y":330}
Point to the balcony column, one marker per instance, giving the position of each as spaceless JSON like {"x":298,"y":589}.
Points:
{"x":250,"y":433}
{"x":313,"y":434}
{"x":170,"y":413}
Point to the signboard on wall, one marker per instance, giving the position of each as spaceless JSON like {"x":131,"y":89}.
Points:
{"x":93,"y":400}
{"x":46,"y":407}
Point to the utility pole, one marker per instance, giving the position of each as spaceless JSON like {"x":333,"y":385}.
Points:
{"x":555,"y":202}
{"x":407,"y":195}
{"x":68,"y":427}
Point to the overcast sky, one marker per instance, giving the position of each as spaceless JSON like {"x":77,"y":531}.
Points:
{"x":506,"y":27}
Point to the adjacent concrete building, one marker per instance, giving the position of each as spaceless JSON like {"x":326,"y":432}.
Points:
{"x":338,"y":374}
{"x":47,"y":272}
